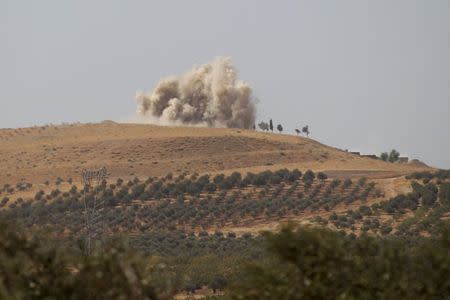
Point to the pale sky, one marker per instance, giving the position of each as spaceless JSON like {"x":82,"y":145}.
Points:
{"x":365,"y":75}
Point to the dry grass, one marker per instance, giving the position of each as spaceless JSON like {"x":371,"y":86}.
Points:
{"x":39,"y":154}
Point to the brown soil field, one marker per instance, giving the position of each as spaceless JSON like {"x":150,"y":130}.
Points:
{"x":39,"y":154}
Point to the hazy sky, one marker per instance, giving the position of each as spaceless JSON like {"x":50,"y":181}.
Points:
{"x":365,"y":75}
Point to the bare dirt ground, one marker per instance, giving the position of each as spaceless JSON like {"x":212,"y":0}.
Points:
{"x":40,"y":154}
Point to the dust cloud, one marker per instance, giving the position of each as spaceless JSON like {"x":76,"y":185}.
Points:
{"x":208,"y":95}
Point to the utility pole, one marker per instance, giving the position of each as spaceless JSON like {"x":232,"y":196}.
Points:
{"x":93,"y":209}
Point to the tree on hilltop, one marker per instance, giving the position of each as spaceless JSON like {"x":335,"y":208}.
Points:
{"x":263,"y":126}
{"x":394,"y":156}
{"x":280,"y":128}
{"x":305,"y":130}
{"x":271,"y":125}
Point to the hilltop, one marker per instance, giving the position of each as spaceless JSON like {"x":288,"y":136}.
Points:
{"x":39,"y":154}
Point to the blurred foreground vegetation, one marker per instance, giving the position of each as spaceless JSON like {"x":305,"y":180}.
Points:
{"x":296,"y":263}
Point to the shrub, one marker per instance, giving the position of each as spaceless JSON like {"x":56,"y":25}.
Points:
{"x":308,"y":176}
{"x":59,"y":180}
{"x":444,"y":193}
{"x":443,"y":174}
{"x":280,"y":128}
{"x":420,"y":175}
{"x":362,"y":181}
{"x":262,"y":178}
{"x":365,"y":210}
{"x":211,"y":187}
{"x":5,"y":200}
{"x":38,"y":195}
{"x":335,"y":183}
{"x":393,"y":156}
{"x":294,"y":175}
{"x":333,"y":216}
{"x":385,"y":229}
{"x":217,"y":283}
{"x":428,"y":197}
{"x":235,"y":178}
{"x":30,"y":269}
{"x":218,"y":179}
{"x":322,"y":264}
{"x":347,"y":183}
{"x":322,"y":176}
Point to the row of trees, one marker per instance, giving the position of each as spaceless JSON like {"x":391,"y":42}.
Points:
{"x":269,"y":126}
{"x":429,"y":202}
{"x":305,"y":130}
{"x":188,"y":203}
{"x":392,"y":156}
{"x":427,"y":175}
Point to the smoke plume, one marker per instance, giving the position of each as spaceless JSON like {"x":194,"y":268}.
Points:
{"x":208,"y":95}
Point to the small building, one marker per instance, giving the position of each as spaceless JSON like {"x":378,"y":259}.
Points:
{"x":355,"y":152}
{"x":403,"y":160}
{"x":373,"y":156}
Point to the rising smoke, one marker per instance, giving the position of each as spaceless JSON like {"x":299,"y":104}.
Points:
{"x":208,"y":95}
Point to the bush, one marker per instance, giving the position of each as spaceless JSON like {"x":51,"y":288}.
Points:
{"x":38,"y":195}
{"x":308,"y":176}
{"x":31,"y":268}
{"x":333,"y":217}
{"x":294,"y":175}
{"x":444,"y":193}
{"x":443,"y":174}
{"x":59,"y":180}
{"x":335,"y":183}
{"x":385,"y":229}
{"x":394,"y":155}
{"x":347,"y":183}
{"x":322,"y":176}
{"x":365,"y":210}
{"x":322,"y":264}
{"x":421,"y":175}
{"x":362,"y":181}
{"x":218,"y":282}
{"x":218,"y":179}
{"x":428,"y":197}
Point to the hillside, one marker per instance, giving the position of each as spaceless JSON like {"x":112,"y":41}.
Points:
{"x":40,"y":154}
{"x":197,"y":199}
{"x":153,"y":172}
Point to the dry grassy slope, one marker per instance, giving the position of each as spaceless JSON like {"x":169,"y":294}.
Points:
{"x":38,"y":154}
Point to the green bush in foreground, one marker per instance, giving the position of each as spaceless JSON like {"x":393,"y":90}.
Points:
{"x":301,"y":263}
{"x":29,"y":269}
{"x":322,"y":264}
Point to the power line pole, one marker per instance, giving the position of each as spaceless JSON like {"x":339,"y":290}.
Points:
{"x":93,"y":209}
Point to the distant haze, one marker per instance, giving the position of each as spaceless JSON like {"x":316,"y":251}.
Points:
{"x":364,"y":75}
